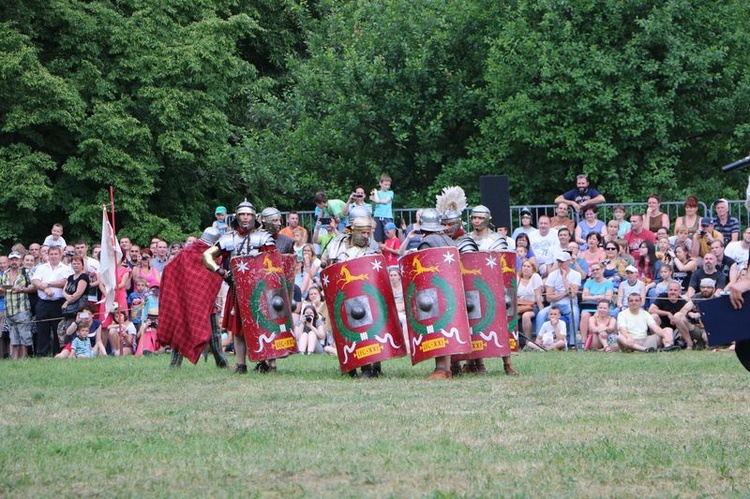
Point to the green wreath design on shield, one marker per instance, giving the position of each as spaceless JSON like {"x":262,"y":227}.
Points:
{"x":379,"y":322}
{"x":489,"y":316}
{"x":450,"y":311}
{"x":255,"y":298}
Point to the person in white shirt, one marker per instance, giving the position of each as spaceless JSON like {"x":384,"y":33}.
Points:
{"x":49,"y":279}
{"x":562,"y":290}
{"x":739,"y":250}
{"x":544,"y":244}
{"x":633,"y":326}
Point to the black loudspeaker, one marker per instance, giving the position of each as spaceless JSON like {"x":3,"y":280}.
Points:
{"x":494,"y":193}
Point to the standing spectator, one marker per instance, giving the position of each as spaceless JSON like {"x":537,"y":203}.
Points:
{"x":75,"y":293}
{"x":545,"y":245}
{"x":527,"y":224}
{"x":292,"y":222}
{"x":55,"y":238}
{"x":413,"y":235}
{"x":174,"y":250}
{"x":357,"y":200}
{"x":125,"y":245}
{"x":159,"y":261}
{"x":704,"y":237}
{"x":145,"y":271}
{"x":728,"y":226}
{"x":17,"y":285}
{"x":637,"y":235}
{"x":656,"y":219}
{"x":582,"y":196}
{"x":634,"y":325}
{"x":561,"y":218}
{"x":49,"y":279}
{"x":739,"y":250}
{"x":220,"y":224}
{"x":383,"y":199}
{"x":329,"y":208}
{"x":391,"y":246}
{"x":35,"y":249}
{"x":690,"y":220}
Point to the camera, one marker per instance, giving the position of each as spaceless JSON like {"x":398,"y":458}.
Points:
{"x":357,"y":196}
{"x":153,"y":324}
{"x":308,"y":318}
{"x":69,"y":253}
{"x":703,"y":232}
{"x":325,"y":220}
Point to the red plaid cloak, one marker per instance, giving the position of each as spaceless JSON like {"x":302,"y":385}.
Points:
{"x":187,"y":296}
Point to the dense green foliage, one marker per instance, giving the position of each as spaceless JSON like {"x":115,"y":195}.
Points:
{"x":183,"y":105}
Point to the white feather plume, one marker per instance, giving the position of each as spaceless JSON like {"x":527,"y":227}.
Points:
{"x":452,"y":198}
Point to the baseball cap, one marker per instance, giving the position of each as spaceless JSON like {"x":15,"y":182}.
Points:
{"x":707,"y":221}
{"x":220,"y":210}
{"x":563,"y":257}
{"x":14,"y":254}
{"x":390,"y":226}
{"x":630,"y":268}
{"x":708,"y":283}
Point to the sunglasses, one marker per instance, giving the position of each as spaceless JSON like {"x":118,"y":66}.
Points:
{"x":610,"y":248}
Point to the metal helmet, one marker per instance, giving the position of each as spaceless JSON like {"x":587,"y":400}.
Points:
{"x":270,"y":218}
{"x":431,"y":221}
{"x":482,"y":211}
{"x":451,"y":219}
{"x":360,"y":226}
{"x":245,"y":207}
{"x":210,"y":235}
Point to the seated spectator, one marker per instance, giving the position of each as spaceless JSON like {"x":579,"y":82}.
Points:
{"x":637,"y":235}
{"x":85,"y":318}
{"x":309,"y":331}
{"x":670,"y":312}
{"x":561,"y":289}
{"x":690,"y":220}
{"x":544,"y":244}
{"x":634,"y":325}
{"x":664,"y":254}
{"x":147,"y":340}
{"x":576,"y":262}
{"x":683,"y":267}
{"x":527,"y":225}
{"x":589,"y":224}
{"x":624,"y":252}
{"x":564,"y":236}
{"x":726,"y":265}
{"x":581,"y":197}
{"x":707,"y":271}
{"x":704,"y":237}
{"x":682,"y":238}
{"x":654,"y":216}
{"x":696,"y":338}
{"x":602,"y":329}
{"x":122,"y":334}
{"x":619,"y":216}
{"x":561,"y":218}
{"x":595,"y":290}
{"x":728,"y":227}
{"x":613,"y":264}
{"x":646,"y":262}
{"x":522,"y":241}
{"x":594,"y":252}
{"x":659,"y":285}
{"x":629,"y":286}
{"x":739,"y":250}
{"x":612,"y":231}
{"x":552,"y":333}
{"x":81,"y":346}
{"x":529,"y":298}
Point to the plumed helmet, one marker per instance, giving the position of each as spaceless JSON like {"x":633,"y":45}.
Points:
{"x":431,"y":221}
{"x":245,"y":207}
{"x":481,"y":210}
{"x":450,"y":216}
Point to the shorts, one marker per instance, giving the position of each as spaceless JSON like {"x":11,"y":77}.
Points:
{"x":20,"y":328}
{"x":650,"y":341}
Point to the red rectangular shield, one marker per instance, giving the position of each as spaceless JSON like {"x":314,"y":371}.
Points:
{"x":510,"y":279}
{"x":365,"y":325}
{"x":435,"y":303}
{"x":485,"y":304}
{"x":263,"y":303}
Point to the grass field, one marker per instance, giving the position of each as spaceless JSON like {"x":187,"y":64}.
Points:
{"x":573,"y":424}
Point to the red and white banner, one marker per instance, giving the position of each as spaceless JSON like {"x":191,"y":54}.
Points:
{"x":109,"y":259}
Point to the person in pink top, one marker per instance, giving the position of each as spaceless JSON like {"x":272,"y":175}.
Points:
{"x":637,"y":235}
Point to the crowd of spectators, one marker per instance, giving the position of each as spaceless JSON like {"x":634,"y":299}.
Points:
{"x":570,"y":265}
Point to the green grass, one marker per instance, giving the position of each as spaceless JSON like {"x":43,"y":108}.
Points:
{"x":573,"y":424}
